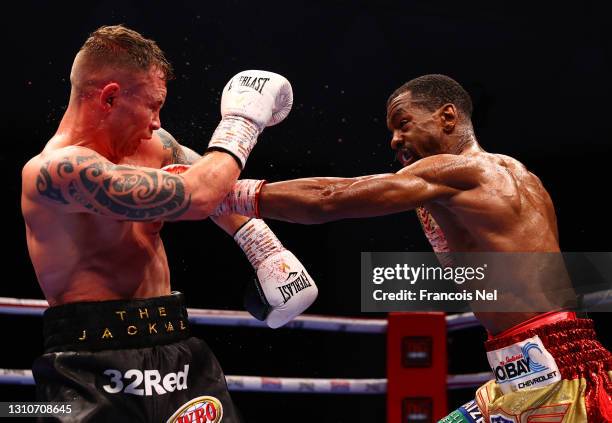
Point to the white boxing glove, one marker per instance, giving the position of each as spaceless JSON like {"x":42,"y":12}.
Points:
{"x":264,"y":98}
{"x":251,"y":101}
{"x":283,"y":288}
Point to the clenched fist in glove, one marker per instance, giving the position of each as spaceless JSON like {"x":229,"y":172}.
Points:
{"x":283,"y":288}
{"x":251,"y":101}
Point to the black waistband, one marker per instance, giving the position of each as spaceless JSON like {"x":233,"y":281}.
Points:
{"x":116,"y":324}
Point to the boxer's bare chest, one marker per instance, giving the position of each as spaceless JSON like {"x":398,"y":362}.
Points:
{"x":503,"y":213}
{"x":127,"y":233}
{"x":83,"y":256}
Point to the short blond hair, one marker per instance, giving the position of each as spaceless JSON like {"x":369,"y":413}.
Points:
{"x":121,"y":47}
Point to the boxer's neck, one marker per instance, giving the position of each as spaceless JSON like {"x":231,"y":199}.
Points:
{"x":81,"y":127}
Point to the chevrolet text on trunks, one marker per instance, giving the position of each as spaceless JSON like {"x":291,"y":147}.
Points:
{"x":295,"y":286}
{"x":523,"y":365}
{"x":132,"y":381}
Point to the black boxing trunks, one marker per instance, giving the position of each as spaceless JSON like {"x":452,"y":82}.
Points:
{"x":130,"y":361}
{"x":548,"y":369}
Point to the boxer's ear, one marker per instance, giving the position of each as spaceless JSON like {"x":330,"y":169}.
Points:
{"x":108,"y":94}
{"x":448,"y":117}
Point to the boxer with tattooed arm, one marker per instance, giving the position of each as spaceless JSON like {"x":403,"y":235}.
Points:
{"x":117,"y":343}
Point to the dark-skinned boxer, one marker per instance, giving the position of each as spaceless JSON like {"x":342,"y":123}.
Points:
{"x":468,"y":200}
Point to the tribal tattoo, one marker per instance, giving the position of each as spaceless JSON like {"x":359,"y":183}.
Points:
{"x":112,"y":190}
{"x":45,"y":187}
{"x":168,"y":141}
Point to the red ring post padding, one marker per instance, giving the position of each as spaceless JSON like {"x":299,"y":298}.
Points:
{"x":416,"y":367}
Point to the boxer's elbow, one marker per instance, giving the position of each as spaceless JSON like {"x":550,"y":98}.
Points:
{"x":204,"y":199}
{"x":207,"y":183}
{"x":203,"y":205}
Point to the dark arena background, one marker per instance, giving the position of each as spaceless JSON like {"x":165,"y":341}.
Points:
{"x":539,"y":76}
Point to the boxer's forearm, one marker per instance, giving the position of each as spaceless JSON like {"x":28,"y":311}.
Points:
{"x":319,"y":200}
{"x":293,"y":201}
{"x":230,"y":223}
{"x":208,"y":181}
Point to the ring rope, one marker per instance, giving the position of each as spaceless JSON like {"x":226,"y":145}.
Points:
{"x":289,"y":385}
{"x":454,"y":322}
{"x":19,"y":306}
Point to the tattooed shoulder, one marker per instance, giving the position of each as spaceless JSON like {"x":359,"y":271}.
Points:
{"x":175,"y":152}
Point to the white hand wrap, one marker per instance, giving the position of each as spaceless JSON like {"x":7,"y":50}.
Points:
{"x":242,"y":199}
{"x":235,"y":135}
{"x":257,"y":241}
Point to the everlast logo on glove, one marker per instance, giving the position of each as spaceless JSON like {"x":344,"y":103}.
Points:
{"x":295,"y":286}
{"x":257,"y":83}
{"x":280,"y":277}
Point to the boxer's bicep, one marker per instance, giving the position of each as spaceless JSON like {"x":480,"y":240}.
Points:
{"x":89,"y":183}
